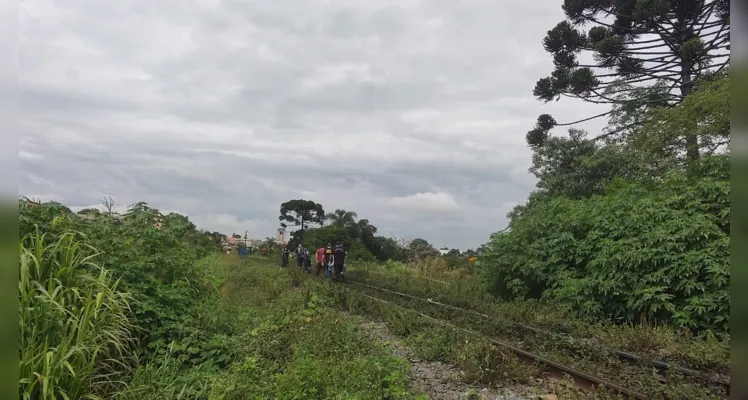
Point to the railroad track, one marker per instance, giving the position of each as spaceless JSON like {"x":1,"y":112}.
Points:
{"x":583,"y":380}
{"x":406,"y":276}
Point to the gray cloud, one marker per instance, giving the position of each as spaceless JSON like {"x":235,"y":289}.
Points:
{"x":411,"y":113}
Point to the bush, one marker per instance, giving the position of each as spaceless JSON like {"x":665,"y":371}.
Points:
{"x":658,"y":253}
{"x":202,"y":325}
{"x":158,"y":267}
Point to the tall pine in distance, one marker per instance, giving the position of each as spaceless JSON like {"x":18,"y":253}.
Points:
{"x":645,"y":54}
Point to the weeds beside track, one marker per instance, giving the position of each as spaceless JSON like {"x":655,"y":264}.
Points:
{"x":676,"y":347}
{"x":639,"y":377}
{"x":581,"y":379}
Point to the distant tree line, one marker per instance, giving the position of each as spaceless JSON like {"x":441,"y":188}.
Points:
{"x":316,"y":228}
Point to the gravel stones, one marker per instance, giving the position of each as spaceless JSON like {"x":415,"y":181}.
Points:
{"x":440,"y":381}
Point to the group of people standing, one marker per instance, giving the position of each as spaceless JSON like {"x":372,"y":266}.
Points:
{"x":330,"y":259}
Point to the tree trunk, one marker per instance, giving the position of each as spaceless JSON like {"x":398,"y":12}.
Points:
{"x":692,"y":138}
{"x":686,"y":67}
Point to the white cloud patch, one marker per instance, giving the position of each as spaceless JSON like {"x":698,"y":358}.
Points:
{"x":228,"y":224}
{"x":224,"y":109}
{"x":340,"y":75}
{"x":426,"y":202}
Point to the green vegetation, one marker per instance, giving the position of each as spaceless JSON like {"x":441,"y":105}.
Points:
{"x":632,"y":225}
{"x":646,"y":55}
{"x":585,"y":344}
{"x":623,"y":246}
{"x":342,"y":226}
{"x":706,"y":353}
{"x":359,"y":235}
{"x":123,"y":307}
{"x":76,"y":337}
{"x":301,"y":213}
{"x":658,"y":252}
{"x":224,"y":327}
{"x":479,"y":360}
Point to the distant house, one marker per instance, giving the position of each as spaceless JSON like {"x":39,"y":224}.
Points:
{"x":443,"y":251}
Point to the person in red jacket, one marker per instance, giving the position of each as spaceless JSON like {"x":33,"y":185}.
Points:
{"x":320,"y":255}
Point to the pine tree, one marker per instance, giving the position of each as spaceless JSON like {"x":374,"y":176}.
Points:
{"x":646,"y":53}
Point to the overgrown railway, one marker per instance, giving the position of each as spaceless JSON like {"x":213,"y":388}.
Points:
{"x":583,"y":380}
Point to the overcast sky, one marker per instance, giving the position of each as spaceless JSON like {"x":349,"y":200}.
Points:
{"x":411,"y":113}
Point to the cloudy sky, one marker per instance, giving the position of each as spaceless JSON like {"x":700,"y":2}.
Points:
{"x":411,"y":113}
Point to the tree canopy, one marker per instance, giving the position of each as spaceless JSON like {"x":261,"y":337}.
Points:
{"x":301,"y":213}
{"x":341,"y":218}
{"x":645,"y":54}
{"x":420,"y":248}
{"x":705,"y":115}
{"x":359,"y":235}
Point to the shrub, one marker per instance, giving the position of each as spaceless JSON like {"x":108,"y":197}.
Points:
{"x":658,"y":253}
{"x":209,"y":327}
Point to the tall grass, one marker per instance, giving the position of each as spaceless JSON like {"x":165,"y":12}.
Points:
{"x":165,"y":378}
{"x":430,"y":267}
{"x":76,"y":338}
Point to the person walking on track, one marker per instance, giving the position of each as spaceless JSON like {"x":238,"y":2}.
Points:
{"x":342,"y":273}
{"x":307,"y":261}
{"x":284,"y":257}
{"x":300,"y":256}
{"x":338,"y":261}
{"x":320,"y":255}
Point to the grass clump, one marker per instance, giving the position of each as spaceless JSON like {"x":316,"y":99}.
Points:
{"x":299,"y":348}
{"x":76,"y":336}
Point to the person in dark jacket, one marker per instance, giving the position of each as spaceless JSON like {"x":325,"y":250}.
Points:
{"x":307,"y":261}
{"x":338,"y":261}
{"x":284,"y":257}
{"x":300,"y":256}
{"x":345,"y":266}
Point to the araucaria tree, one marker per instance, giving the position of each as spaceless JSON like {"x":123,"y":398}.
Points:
{"x":301,"y":213}
{"x":645,"y":53}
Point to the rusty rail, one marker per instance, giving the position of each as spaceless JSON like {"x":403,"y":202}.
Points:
{"x":581,"y":379}
{"x":661,"y":366}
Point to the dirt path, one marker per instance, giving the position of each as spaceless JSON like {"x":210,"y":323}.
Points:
{"x":438,"y":380}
